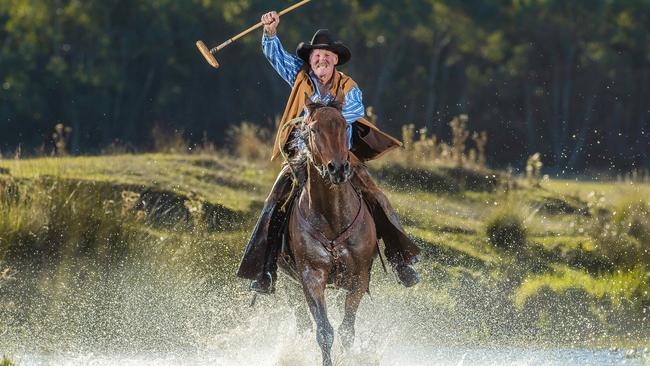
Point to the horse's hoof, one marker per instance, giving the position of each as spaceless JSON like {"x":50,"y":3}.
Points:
{"x":263,"y":285}
{"x":407,"y":275}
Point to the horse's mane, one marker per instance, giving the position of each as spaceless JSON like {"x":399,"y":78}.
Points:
{"x":299,"y":155}
{"x":318,"y":105}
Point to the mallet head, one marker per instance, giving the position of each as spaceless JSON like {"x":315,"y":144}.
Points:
{"x":207,"y":54}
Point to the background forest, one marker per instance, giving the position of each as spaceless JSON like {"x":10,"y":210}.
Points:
{"x":568,"y":79}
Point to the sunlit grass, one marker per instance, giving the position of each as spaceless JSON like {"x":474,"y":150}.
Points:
{"x":612,"y":191}
{"x":617,"y":287}
{"x":565,"y":242}
{"x":6,"y":361}
{"x":432,"y":211}
{"x":219,"y":180}
{"x":470,"y":245}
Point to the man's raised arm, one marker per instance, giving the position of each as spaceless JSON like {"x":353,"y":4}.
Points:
{"x":286,"y":64}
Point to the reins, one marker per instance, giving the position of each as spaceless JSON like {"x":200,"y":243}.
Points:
{"x":332,"y":246}
{"x":322,"y":170}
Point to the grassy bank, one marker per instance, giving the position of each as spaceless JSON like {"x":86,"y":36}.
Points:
{"x":154,"y":235}
{"x":6,"y":361}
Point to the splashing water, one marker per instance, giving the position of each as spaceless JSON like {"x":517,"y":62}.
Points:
{"x":137,"y":317}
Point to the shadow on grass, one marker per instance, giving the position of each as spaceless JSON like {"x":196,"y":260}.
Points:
{"x":561,"y":206}
{"x":442,"y":180}
{"x":447,"y":256}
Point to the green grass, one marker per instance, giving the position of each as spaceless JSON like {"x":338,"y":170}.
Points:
{"x":467,"y":245}
{"x":612,"y":192}
{"x":6,"y":361}
{"x":226,"y":181}
{"x":565,"y":243}
{"x":616,"y":287}
{"x":76,"y":218}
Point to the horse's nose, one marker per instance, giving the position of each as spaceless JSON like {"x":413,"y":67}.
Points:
{"x":339,"y":172}
{"x":331,"y":167}
{"x":334,"y":168}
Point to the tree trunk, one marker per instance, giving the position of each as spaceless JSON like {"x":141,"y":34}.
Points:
{"x":530,"y":124}
{"x":441,"y":120}
{"x":137,"y":106}
{"x":391,"y":60}
{"x":556,"y":120}
{"x":643,"y":127}
{"x":583,"y":133}
{"x":440,"y":43}
{"x":566,"y":98}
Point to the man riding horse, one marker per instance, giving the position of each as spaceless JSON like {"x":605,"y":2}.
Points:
{"x":313,"y":76}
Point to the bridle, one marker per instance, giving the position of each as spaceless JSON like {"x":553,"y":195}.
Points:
{"x":311,"y":148}
{"x":314,"y":153}
{"x":333,"y":246}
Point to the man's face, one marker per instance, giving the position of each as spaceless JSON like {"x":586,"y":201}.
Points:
{"x":322,"y":63}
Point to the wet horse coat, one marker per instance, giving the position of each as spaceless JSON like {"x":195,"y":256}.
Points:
{"x":332,"y":236}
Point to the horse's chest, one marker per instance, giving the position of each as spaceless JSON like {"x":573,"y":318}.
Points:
{"x":337,"y":241}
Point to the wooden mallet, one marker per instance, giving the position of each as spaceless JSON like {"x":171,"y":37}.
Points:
{"x":209,"y":54}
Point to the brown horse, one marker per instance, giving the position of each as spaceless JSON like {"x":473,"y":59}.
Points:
{"x":332,"y":236}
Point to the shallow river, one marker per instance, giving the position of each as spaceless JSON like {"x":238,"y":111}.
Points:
{"x":290,"y":355}
{"x":143,"y":324}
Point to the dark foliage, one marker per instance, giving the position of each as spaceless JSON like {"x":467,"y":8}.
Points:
{"x":566,"y":79}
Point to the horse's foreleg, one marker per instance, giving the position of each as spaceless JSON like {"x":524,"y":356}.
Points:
{"x":352,"y":301}
{"x":313,"y":283}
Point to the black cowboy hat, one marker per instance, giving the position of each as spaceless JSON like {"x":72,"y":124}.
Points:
{"x":323,"y":39}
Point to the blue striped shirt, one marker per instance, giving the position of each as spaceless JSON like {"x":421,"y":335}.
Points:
{"x":288,"y":65}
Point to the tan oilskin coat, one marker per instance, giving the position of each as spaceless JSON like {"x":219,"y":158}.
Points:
{"x":368,"y":142}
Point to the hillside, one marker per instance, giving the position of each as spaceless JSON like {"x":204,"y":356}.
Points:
{"x":153,"y":235}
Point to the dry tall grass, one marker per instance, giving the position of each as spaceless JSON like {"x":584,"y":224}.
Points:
{"x":245,"y":141}
{"x":250,"y":142}
{"x":61,"y":136}
{"x":422,"y":150}
{"x":168,"y":140}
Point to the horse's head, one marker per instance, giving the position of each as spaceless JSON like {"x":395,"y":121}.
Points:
{"x":327,"y":140}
